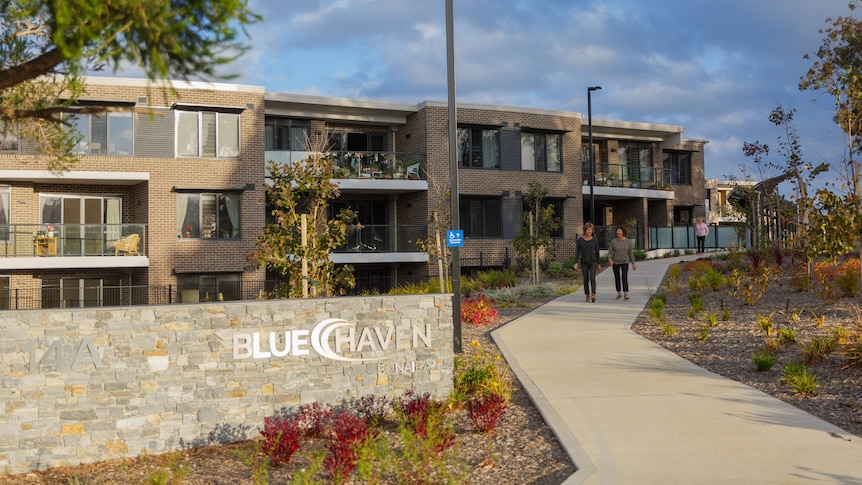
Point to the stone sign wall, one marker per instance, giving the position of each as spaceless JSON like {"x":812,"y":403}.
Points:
{"x":87,"y":385}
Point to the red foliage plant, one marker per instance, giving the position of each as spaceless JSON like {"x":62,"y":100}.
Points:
{"x":478,"y":311}
{"x":314,"y":418}
{"x":422,"y":415}
{"x":348,"y":431}
{"x":485,"y":411}
{"x":282,"y":436}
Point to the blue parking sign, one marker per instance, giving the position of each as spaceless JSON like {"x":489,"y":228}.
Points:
{"x":454,"y":238}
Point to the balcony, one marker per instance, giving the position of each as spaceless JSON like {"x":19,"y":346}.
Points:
{"x":364,"y":165}
{"x":627,"y":176}
{"x":381,"y":243}
{"x":33,"y":246}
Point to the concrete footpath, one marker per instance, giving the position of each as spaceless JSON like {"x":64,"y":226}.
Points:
{"x":628,"y":411}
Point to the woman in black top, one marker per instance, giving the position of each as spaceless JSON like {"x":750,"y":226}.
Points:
{"x":587,"y":256}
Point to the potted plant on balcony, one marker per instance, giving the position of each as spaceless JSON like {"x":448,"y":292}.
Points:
{"x":633,"y":181}
{"x":50,"y":230}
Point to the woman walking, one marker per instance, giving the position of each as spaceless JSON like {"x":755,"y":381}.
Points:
{"x":620,"y":254}
{"x":587,"y":256}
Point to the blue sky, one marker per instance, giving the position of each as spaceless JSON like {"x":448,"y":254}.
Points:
{"x":716,"y":67}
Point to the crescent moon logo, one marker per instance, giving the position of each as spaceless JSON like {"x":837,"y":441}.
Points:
{"x":320,"y":340}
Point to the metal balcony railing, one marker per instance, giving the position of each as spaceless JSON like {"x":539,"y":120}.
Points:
{"x":616,"y":175}
{"x":62,"y":240}
{"x":363,"y":165}
{"x":378,"y":238}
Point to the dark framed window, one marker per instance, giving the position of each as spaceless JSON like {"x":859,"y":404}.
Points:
{"x":679,"y":166}
{"x":348,"y":141}
{"x":286,"y":134}
{"x":193,"y":288}
{"x":208,"y":215}
{"x":541,"y":151}
{"x":481,"y":217}
{"x":557,"y":205}
{"x":683,"y":215}
{"x":479,"y":147}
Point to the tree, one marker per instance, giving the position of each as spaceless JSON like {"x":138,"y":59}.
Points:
{"x":538,"y":224}
{"x":791,"y":167}
{"x":301,"y":191}
{"x":837,"y":71}
{"x":47,"y":46}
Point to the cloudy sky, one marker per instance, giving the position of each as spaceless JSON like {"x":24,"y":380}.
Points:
{"x":716,"y":67}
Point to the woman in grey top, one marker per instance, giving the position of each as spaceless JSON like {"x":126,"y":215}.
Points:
{"x":620,"y":253}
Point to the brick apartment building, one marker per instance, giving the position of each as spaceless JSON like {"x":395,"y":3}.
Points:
{"x":184,"y":171}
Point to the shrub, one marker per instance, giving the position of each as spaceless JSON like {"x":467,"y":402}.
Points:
{"x":703,"y":333}
{"x":765,"y":323}
{"x":348,"y":433}
{"x":541,"y":290}
{"x":697,"y":283}
{"x":485,"y":411}
{"x":763,"y":360}
{"x":668,"y":330}
{"x":756,"y":257}
{"x":698,"y":266}
{"x":826,"y":274}
{"x":371,"y":408}
{"x":725,"y":314}
{"x":496,"y":278}
{"x":817,"y":348}
{"x":786,"y":335}
{"x":777,"y":253}
{"x":751,"y":286}
{"x":504,"y":295}
{"x":478,"y":376}
{"x":800,"y":378}
{"x":478,"y":311}
{"x":423,"y":417}
{"x":696,"y":304}
{"x":640,"y":255}
{"x":314,"y":418}
{"x":800,"y":280}
{"x":281,"y":438}
{"x":711,"y":319}
{"x":674,"y":271}
{"x":715,"y":279}
{"x":848,"y":278}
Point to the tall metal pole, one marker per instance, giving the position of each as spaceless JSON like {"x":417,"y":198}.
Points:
{"x":592,"y":155}
{"x":453,"y":179}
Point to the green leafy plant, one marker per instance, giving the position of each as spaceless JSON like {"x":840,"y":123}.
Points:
{"x":711,"y":319}
{"x":668,"y":330}
{"x":765,"y":323}
{"x":800,"y":378}
{"x":715,"y":279}
{"x":817,"y":348}
{"x":763,"y":360}
{"x":725,"y":314}
{"x":703,"y":333}
{"x":786,"y":335}
{"x":480,"y":375}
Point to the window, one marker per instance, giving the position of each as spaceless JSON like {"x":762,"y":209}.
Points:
{"x":193,"y":288}
{"x":557,"y":205}
{"x":481,"y":217}
{"x":682,"y":215}
{"x":636,"y":160}
{"x":81,"y":292}
{"x":207,"y":134}
{"x":8,"y":138}
{"x":479,"y":147}
{"x":286,"y":134}
{"x":111,"y":133}
{"x":208,"y":215}
{"x":679,"y":165}
{"x":5,"y":205}
{"x":341,"y":141}
{"x":540,"y":151}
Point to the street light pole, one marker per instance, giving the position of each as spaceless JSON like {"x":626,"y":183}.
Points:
{"x":592,"y":155}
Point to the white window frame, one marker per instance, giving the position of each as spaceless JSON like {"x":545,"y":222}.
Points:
{"x":193,"y":141}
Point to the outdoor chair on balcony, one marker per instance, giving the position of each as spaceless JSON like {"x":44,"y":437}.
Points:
{"x":413,"y":171}
{"x":128,"y":245}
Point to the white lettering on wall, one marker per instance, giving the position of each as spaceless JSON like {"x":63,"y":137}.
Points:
{"x":330,"y":338}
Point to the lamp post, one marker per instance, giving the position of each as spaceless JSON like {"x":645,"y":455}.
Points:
{"x":592,"y":155}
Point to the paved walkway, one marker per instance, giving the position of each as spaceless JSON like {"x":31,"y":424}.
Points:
{"x":628,"y":411}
